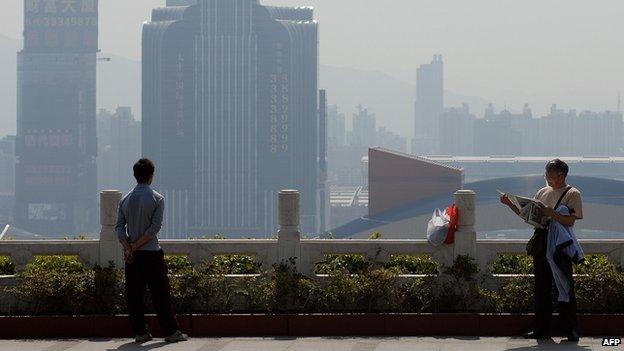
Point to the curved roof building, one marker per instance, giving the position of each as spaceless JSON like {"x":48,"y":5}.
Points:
{"x":603,"y":203}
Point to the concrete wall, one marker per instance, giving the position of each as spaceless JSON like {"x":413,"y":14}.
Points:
{"x":396,"y":179}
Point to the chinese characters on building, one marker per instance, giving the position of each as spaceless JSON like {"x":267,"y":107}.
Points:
{"x":279,"y":105}
{"x":50,"y":24}
{"x":179,"y":96}
{"x":48,"y":139}
{"x":39,"y":175}
{"x":61,"y":6}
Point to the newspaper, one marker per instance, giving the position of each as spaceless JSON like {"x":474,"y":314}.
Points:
{"x":529,"y":209}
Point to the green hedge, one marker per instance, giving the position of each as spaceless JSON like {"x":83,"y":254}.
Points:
{"x":6,"y":266}
{"x":64,"y":285}
{"x":523,"y":264}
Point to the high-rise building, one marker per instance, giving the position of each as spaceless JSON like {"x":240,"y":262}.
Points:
{"x":336,"y":131}
{"x":391,"y":141}
{"x":457,"y":131}
{"x":230,"y":114}
{"x":7,"y":165}
{"x":323,"y":193}
{"x":428,"y":106}
{"x":56,"y":138}
{"x":119,"y":147}
{"x":363,"y":130}
{"x":599,"y":133}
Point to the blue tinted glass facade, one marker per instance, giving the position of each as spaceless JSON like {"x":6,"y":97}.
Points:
{"x":231,"y":114}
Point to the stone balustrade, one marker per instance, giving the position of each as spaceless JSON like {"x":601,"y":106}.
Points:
{"x":307,"y":252}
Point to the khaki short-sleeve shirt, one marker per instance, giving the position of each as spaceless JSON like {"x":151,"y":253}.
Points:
{"x":571,"y":200}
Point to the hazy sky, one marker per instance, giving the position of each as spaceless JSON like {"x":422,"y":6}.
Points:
{"x":508,"y":51}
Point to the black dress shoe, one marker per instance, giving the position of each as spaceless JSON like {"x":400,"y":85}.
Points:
{"x":535,"y":335}
{"x":573,"y":336}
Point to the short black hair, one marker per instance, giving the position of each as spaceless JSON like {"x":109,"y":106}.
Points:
{"x":557,"y":166}
{"x":143,"y":170}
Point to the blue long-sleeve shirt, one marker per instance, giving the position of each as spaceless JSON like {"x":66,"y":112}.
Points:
{"x":141,"y":213}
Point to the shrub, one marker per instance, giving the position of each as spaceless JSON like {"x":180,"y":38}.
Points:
{"x":376,"y":289}
{"x":338,"y":291}
{"x":216,"y":292}
{"x":517,"y":295}
{"x":353,"y":263}
{"x":185,"y":287}
{"x":202,"y":289}
{"x":593,"y":263}
{"x":64,"y":285}
{"x":6,"y":266}
{"x":54,"y":285}
{"x":417,"y":295}
{"x":459,"y":290}
{"x":513,"y":264}
{"x":237,"y":264}
{"x":375,"y":236}
{"x":408,"y":264}
{"x":177,"y":264}
{"x":256,"y":293}
{"x":601,"y":288}
{"x":106,"y":291}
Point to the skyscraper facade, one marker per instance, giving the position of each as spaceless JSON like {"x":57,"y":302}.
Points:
{"x":56,"y":142}
{"x":364,"y":126}
{"x":336,"y":128}
{"x":323,"y":194}
{"x":428,"y":106}
{"x":7,"y":165}
{"x":230,"y":114}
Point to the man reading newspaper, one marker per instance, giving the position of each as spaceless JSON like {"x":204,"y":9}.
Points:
{"x":554,"y":209}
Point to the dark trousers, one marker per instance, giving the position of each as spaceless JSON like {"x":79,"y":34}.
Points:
{"x":148,"y":269}
{"x":543,"y":295}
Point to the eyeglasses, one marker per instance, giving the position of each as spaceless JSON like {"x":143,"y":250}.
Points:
{"x":552,"y":177}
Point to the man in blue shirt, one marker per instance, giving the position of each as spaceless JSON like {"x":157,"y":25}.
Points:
{"x":139,"y":220}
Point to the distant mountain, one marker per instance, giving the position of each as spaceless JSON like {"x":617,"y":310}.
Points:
{"x":119,"y":84}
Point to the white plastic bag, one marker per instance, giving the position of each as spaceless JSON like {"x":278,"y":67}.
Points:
{"x":438,"y":227}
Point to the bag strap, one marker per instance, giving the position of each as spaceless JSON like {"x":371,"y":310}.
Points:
{"x":561,"y":197}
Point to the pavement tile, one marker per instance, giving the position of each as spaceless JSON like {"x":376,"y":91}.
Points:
{"x":307,"y":344}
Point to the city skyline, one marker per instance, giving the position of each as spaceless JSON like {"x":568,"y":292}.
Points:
{"x":517,"y":65}
{"x":231,"y":92}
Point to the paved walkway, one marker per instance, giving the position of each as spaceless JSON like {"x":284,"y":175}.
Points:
{"x":308,"y":344}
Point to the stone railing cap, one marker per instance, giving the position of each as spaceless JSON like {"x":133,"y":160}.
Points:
{"x":110,"y":191}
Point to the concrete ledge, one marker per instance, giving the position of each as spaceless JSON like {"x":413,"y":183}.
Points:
{"x":450,"y":324}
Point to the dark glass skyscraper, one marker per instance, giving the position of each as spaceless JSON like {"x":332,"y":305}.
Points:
{"x":230,"y":114}
{"x":56,"y":141}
